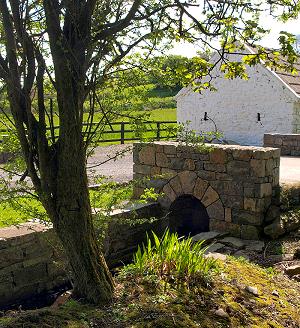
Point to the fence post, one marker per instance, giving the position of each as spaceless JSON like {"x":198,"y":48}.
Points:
{"x":122,"y":133}
{"x":158,"y":131}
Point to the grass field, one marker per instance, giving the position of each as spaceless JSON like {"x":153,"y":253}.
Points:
{"x":158,"y":104}
{"x":153,"y":105}
{"x":24,"y":209}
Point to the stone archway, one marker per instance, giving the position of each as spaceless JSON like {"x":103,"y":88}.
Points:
{"x":188,"y":183}
{"x":188,"y":216}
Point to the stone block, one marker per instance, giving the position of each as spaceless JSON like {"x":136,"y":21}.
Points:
{"x":275,"y":229}
{"x":268,"y":140}
{"x":258,"y":168}
{"x":209,"y":197}
{"x":278,"y":141}
{"x":238,"y":168}
{"x":249,"y":191}
{"x":256,"y":205}
{"x":155,"y":171}
{"x":176,"y":163}
{"x":241,"y":154}
{"x":189,"y":165}
{"x":263,"y":190}
{"x":187,"y":180}
{"x":176,"y":185}
{"x":228,"y":188}
{"x":207,"y":175}
{"x":223,"y":226}
{"x":168,"y":173}
{"x":272,"y":214}
{"x":218,"y":156}
{"x":170,"y":149}
{"x":30,"y":275}
{"x":147,"y":155}
{"x":228,"y":214}
{"x":248,"y":218}
{"x":159,"y":148}
{"x":216,"y":210}
{"x":270,"y":166}
{"x":250,"y":232}
{"x":200,"y":188}
{"x":10,"y":256}
{"x":162,"y":160}
{"x":233,"y":242}
{"x":142,"y":169}
{"x":236,"y":202}
{"x":208,"y":236}
{"x":223,"y":177}
{"x":165,"y":202}
{"x":169,"y":192}
{"x":262,"y":153}
{"x":214,"y":167}
{"x":137,"y":192}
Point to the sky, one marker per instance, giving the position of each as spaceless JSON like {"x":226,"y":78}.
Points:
{"x":270,"y":40}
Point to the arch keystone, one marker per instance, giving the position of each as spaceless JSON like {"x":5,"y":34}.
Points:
{"x":187,"y":180}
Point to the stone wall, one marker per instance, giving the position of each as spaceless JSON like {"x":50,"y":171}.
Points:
{"x":236,"y":184}
{"x":31,"y":263}
{"x":289,"y":144}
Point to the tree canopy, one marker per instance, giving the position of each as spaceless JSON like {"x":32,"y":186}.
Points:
{"x":78,"y":46}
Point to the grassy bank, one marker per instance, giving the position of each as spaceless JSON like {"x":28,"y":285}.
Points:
{"x":145,"y":302}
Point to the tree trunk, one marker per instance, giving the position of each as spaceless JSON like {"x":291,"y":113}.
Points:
{"x":74,"y":225}
{"x":92,"y":279}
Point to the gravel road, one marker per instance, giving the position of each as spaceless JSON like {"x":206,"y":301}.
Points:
{"x":118,"y":169}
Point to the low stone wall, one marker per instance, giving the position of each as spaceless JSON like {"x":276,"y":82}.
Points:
{"x":289,"y":144}
{"x":31,"y":263}
{"x":236,"y":184}
{"x":127,"y":229}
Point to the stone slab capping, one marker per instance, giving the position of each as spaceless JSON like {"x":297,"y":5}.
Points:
{"x":289,"y":144}
{"x":236,"y":184}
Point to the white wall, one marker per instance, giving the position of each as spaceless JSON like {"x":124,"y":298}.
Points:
{"x":235,"y":105}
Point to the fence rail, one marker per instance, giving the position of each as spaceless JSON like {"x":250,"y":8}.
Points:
{"x":157,"y":130}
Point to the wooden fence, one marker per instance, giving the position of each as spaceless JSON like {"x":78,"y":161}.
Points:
{"x":121,"y":132}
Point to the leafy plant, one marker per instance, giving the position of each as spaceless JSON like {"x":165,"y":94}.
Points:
{"x":189,"y":137}
{"x":173,"y":260}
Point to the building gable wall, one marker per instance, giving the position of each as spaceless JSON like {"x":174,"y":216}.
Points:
{"x":234,"y":107}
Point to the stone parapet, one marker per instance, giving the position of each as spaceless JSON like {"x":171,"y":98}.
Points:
{"x":289,"y":144}
{"x":31,"y":262}
{"x":236,"y":184}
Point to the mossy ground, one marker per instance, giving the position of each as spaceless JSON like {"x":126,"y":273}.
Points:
{"x":145,"y":302}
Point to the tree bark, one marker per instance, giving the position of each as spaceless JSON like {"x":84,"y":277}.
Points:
{"x":74,"y":225}
{"x":92,"y":279}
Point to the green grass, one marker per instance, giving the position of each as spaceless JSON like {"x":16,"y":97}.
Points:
{"x":155,"y":104}
{"x":23,"y":209}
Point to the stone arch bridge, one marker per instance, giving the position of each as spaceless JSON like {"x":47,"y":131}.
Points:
{"x":231,"y":187}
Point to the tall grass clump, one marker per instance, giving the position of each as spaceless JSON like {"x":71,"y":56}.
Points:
{"x":173,"y":259}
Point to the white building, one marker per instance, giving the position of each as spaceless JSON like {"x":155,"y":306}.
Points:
{"x":243,"y":110}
